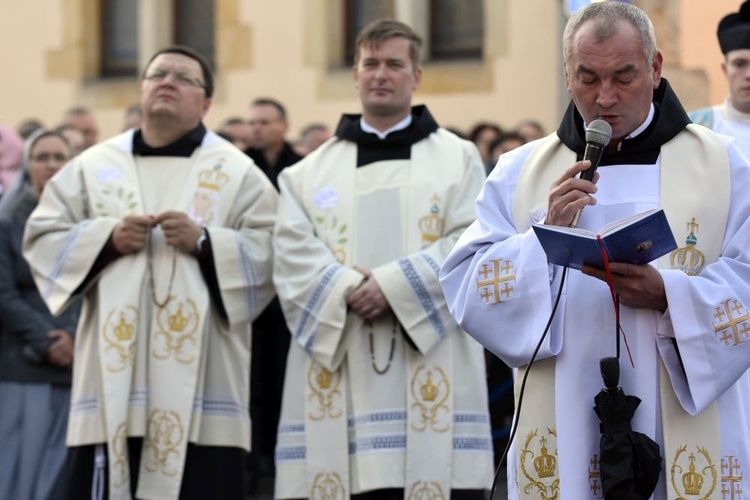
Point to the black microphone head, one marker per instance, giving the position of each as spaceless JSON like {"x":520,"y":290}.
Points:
{"x":599,"y":132}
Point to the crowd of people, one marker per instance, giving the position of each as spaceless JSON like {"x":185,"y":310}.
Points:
{"x":190,"y":313}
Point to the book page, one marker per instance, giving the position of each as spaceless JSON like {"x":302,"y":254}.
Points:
{"x":614,"y":226}
{"x":568,"y":230}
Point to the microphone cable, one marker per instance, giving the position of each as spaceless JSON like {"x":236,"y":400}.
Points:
{"x":517,"y":414}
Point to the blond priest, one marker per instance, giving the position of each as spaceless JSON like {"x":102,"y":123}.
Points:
{"x":166,"y":233}
{"x":685,"y":316}
{"x":384,"y":395}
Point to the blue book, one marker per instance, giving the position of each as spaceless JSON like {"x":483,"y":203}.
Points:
{"x":639,"y":239}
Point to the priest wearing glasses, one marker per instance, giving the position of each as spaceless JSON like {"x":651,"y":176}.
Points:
{"x":165,"y":231}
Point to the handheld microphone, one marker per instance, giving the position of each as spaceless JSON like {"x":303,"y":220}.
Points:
{"x":598,"y":135}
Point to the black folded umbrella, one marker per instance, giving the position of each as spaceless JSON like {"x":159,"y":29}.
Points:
{"x":629,"y":462}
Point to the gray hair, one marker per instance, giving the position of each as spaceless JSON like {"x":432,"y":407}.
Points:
{"x":604,"y":15}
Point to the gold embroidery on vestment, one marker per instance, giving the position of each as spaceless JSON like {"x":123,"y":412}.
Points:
{"x":119,"y":468}
{"x":732,"y":323}
{"x":731,"y":478}
{"x":213,"y":178}
{"x":119,"y":333}
{"x":328,"y":486}
{"x":426,"y":490}
{"x":163,"y":442}
{"x":495,"y":284}
{"x":324,"y":385}
{"x":689,"y":259}
{"x":205,"y":205}
{"x":595,"y":477}
{"x":544,"y":464}
{"x":692,"y":482}
{"x":430,"y":389}
{"x":177,"y":323}
{"x":431,"y":226}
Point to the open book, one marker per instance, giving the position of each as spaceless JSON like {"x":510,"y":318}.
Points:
{"x":634,"y":240}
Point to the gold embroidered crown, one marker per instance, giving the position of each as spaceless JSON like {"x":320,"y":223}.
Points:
{"x":431,"y":225}
{"x":692,"y":481}
{"x":545,"y":463}
{"x":324,"y":379}
{"x":212,"y":179}
{"x":689,"y":259}
{"x":123,"y":329}
{"x":429,"y":390}
{"x":177,"y":321}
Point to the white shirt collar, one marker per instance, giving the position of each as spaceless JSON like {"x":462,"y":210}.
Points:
{"x":637,"y":131}
{"x":643,"y":126}
{"x":366,"y":127}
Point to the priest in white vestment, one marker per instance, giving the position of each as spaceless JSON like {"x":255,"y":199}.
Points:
{"x":732,"y":117}
{"x":165,"y":231}
{"x":685,"y":316}
{"x":384,"y":396}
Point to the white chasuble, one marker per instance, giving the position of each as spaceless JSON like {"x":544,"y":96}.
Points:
{"x":384,"y":216}
{"x":681,"y":168}
{"x":152,"y":327}
{"x":365,"y":197}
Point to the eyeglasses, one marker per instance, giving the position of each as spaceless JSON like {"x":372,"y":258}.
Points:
{"x":45,"y":157}
{"x":182,"y":78}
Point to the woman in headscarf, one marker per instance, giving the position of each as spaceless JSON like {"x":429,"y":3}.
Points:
{"x":36,"y":349}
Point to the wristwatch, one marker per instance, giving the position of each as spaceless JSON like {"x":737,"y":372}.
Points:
{"x":200,"y":241}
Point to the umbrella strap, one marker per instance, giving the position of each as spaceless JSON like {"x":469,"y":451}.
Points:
{"x":615,"y":304}
{"x":615,"y":428}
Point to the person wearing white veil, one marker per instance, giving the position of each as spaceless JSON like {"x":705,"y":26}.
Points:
{"x":36,"y":348}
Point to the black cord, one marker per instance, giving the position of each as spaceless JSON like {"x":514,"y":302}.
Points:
{"x":517,"y":415}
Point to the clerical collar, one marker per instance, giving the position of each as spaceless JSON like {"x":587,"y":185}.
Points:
{"x":420,"y":126}
{"x":183,"y":147}
{"x":735,"y":114}
{"x":636,"y":132}
{"x":366,"y":127}
{"x":397,"y":146}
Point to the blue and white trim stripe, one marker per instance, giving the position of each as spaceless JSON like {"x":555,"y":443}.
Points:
{"x":138,"y":396}
{"x":290,"y":453}
{"x":471,"y":443}
{"x":220,"y":407}
{"x":385,"y":417}
{"x":377,"y":443}
{"x":378,"y":417}
{"x":423,"y":296}
{"x":84,"y":406}
{"x":62,"y":257}
{"x":313,"y":303}
{"x":290,"y":429}
{"x":249,"y":274}
{"x":472,"y":418}
{"x":384,"y":444}
{"x":431,"y":262}
{"x":208,"y":406}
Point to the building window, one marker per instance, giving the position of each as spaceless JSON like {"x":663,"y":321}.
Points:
{"x":119,"y":38}
{"x":358,"y":14}
{"x":456,"y":29}
{"x":195,"y":27}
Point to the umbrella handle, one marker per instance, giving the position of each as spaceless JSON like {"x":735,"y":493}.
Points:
{"x":610,"y":369}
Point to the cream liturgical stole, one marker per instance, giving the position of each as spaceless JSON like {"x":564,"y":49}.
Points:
{"x":152,"y":331}
{"x":696,"y":157}
{"x":335,"y":199}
